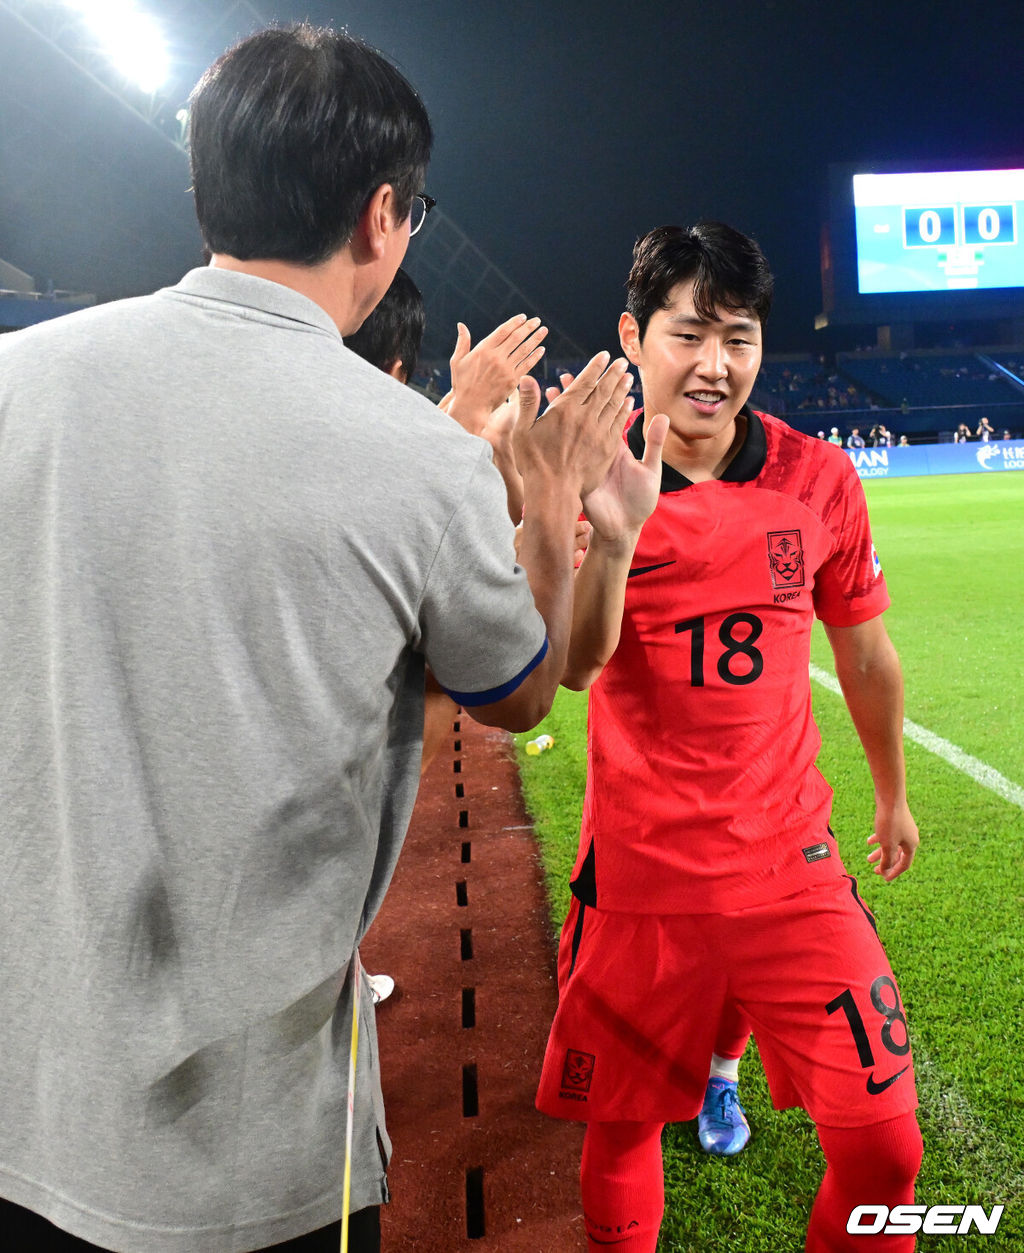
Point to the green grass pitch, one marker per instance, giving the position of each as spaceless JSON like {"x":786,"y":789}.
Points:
{"x":952,"y":549}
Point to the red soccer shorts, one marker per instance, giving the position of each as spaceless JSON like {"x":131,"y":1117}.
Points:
{"x":640,"y":996}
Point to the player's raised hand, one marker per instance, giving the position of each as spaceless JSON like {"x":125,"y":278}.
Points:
{"x":578,"y":436}
{"x":896,"y":839}
{"x":484,"y":376}
{"x":620,"y":505}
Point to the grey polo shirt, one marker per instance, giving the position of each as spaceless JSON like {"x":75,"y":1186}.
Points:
{"x":227,"y":548}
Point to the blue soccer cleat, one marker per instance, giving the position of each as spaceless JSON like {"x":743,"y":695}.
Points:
{"x":721,"y":1124}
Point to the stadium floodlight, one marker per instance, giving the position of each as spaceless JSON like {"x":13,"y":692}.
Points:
{"x":130,"y":39}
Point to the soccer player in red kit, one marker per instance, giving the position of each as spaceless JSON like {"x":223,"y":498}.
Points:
{"x":707,"y":875}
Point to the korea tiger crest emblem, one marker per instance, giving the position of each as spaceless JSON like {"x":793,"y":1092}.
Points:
{"x":578,"y":1071}
{"x":786,"y":559}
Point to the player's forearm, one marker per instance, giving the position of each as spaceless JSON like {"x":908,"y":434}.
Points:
{"x":598,"y":603}
{"x":873,"y":689}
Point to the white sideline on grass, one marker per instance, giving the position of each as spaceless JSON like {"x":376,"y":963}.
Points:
{"x":972,"y":1143}
{"x":956,"y":757}
{"x":968,"y":1138}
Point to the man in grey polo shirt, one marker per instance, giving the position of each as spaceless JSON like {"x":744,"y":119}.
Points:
{"x":228,"y":547}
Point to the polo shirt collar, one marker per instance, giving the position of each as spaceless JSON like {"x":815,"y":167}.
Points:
{"x":260,"y":294}
{"x":745,"y":466}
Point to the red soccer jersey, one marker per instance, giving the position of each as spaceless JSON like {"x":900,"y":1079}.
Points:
{"x":702,"y":792}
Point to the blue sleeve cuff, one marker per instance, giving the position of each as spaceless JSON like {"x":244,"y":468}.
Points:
{"x":470,"y":699}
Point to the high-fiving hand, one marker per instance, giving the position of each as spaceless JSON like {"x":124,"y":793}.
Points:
{"x":579,"y":435}
{"x":620,"y":503}
{"x":626,"y":497}
{"x":486,"y":375}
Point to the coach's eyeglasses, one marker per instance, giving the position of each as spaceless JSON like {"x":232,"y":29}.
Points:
{"x":421,"y":206}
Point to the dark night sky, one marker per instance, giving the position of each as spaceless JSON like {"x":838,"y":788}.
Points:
{"x":565,"y":130}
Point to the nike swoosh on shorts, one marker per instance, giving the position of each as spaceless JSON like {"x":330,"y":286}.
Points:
{"x":874,"y":1088}
{"x":647,"y":569}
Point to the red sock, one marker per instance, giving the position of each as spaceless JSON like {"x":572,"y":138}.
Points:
{"x":623,"y":1186}
{"x":874,"y":1165}
{"x":733,"y":1032}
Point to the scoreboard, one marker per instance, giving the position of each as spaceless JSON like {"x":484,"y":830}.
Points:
{"x":939,"y":231}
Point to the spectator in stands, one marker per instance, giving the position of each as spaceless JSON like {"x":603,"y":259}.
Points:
{"x":985,"y":430}
{"x":835,"y":437}
{"x":962,"y":434}
{"x":904,"y":442}
{"x":881,"y":436}
{"x":856,"y":440}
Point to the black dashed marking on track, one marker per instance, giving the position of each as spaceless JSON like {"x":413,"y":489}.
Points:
{"x":470,"y":1095}
{"x":475,"y":1225}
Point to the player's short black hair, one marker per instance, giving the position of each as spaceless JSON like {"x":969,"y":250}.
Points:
{"x":290,"y":133}
{"x":728,"y":269}
{"x":394,"y":330}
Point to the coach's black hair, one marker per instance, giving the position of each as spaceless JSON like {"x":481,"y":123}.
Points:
{"x":394,"y":330}
{"x":290,"y":133}
{"x":728,"y":269}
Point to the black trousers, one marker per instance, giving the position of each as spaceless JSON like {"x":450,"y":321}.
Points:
{"x":22,"y":1231}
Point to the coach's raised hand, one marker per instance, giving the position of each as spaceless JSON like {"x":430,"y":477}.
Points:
{"x":562,"y":455}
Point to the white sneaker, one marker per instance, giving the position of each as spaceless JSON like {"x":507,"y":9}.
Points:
{"x":381,"y":987}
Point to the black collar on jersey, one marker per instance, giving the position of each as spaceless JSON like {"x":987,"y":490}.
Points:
{"x":746,"y":465}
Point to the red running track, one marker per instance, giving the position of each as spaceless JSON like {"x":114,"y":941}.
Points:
{"x":465,"y":933}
